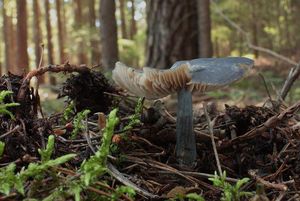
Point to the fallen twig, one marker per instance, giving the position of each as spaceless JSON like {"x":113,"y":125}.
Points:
{"x":267,"y":184}
{"x":121,"y":178}
{"x":211,"y":132}
{"x":17,"y":128}
{"x":292,"y":77}
{"x":50,"y":68}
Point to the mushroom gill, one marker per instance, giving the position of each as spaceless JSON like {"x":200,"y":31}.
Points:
{"x":151,"y":83}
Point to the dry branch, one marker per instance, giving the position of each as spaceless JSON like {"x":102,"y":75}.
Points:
{"x":50,"y":68}
{"x":211,"y":132}
{"x":280,"y":187}
{"x":292,"y":77}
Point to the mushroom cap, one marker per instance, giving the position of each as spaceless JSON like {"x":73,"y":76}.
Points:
{"x":199,"y":75}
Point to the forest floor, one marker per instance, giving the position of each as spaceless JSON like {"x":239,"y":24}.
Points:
{"x":255,"y":139}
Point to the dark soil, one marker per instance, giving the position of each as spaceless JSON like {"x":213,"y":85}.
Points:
{"x":87,"y":91}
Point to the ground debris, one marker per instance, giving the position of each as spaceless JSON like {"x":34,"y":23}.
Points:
{"x":248,"y":139}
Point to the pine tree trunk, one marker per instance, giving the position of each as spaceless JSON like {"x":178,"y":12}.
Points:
{"x":172,"y":32}
{"x":295,"y":15}
{"x":62,"y":56}
{"x":204,"y":28}
{"x":123,"y":19}
{"x":133,"y":28}
{"x":64,"y":19}
{"x":78,"y":25}
{"x":22,"y":55}
{"x":254,"y":27}
{"x":8,"y":34}
{"x":49,"y":40}
{"x":37,"y":35}
{"x":94,"y":43}
{"x":108,"y":33}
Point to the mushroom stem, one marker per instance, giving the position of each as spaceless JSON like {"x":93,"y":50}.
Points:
{"x":185,"y":139}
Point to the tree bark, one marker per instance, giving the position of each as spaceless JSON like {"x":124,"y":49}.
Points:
{"x":295,"y":6}
{"x":123,"y":19}
{"x":9,"y":44}
{"x":49,"y":39}
{"x":204,"y":28}
{"x":49,"y":33}
{"x":37,"y":33}
{"x":22,"y":55}
{"x":172,"y":32}
{"x":62,"y":56}
{"x":94,"y":43}
{"x":79,"y":25}
{"x":37,"y":36}
{"x":254,"y":26}
{"x":133,"y":29}
{"x":108,"y":33}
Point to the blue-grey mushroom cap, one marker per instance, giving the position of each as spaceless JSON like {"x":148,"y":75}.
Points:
{"x":217,"y":71}
{"x":200,"y":75}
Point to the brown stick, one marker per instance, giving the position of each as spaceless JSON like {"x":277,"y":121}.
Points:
{"x":50,"y":68}
{"x":292,"y":77}
{"x":211,"y":132}
{"x":267,"y":184}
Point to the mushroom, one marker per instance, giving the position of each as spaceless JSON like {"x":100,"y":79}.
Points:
{"x":184,"y":78}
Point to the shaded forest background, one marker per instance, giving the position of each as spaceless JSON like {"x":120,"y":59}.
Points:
{"x":139,"y":33}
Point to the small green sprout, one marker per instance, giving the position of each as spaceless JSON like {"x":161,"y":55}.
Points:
{"x":194,"y":196}
{"x":46,"y":153}
{"x":188,"y":197}
{"x":69,"y":111}
{"x":135,"y":118}
{"x":78,"y":125}
{"x":230,"y":192}
{"x":4,"y":106}
{"x":10,"y":180}
{"x":2,"y":145}
{"x":96,"y":165}
{"x":123,"y":190}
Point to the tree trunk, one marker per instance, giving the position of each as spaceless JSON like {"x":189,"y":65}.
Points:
{"x":254,"y":26}
{"x":278,"y":9}
{"x":37,"y":35}
{"x":49,"y":40}
{"x":64,"y":19}
{"x":171,"y":33}
{"x":287,"y":28}
{"x":123,"y":19}
{"x":108,"y":33}
{"x":22,"y":55}
{"x":9,"y":41}
{"x":62,"y":56}
{"x":295,"y":7}
{"x":204,"y":28}
{"x":133,"y":28}
{"x":78,"y":25}
{"x":94,"y":43}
